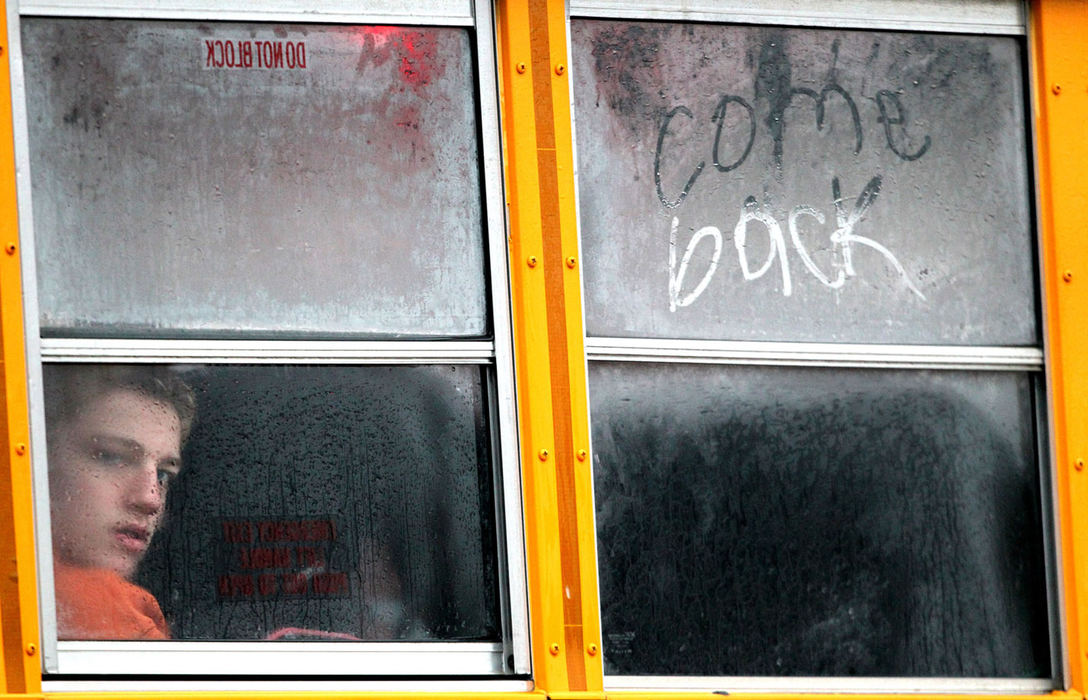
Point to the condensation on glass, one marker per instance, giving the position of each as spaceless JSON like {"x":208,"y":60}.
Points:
{"x":818,"y":522}
{"x":763,"y":183}
{"x":214,"y":179}
{"x":301,"y":503}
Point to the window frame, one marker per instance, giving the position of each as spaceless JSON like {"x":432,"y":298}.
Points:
{"x":974,"y":17}
{"x":506,"y":659}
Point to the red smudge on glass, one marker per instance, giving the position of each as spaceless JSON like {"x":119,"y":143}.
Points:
{"x":412,"y":49}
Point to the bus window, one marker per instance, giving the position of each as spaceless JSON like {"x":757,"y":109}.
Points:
{"x":271,"y":375}
{"x":815,"y":357}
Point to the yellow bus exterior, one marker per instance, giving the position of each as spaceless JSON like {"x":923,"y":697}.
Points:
{"x":550,"y":359}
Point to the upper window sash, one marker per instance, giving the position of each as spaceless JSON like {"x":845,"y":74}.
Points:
{"x":803,"y":185}
{"x":331,"y":172}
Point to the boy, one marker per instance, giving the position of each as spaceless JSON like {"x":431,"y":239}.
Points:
{"x":114,"y":441}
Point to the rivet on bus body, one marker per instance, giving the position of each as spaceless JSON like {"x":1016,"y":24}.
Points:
{"x":520,"y":67}
{"x":10,"y":249}
{"x":582,"y":455}
{"x":1079,"y":464}
{"x":531,"y":262}
{"x":543,"y":454}
{"x":1056,"y":89}
{"x":1067,"y":275}
{"x":20,"y":448}
{"x":591,"y":650}
{"x":560,"y":69}
{"x":31,"y":649}
{"x":554,"y":649}
{"x":571,"y":262}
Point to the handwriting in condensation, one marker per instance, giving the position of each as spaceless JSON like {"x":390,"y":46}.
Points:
{"x":843,"y":238}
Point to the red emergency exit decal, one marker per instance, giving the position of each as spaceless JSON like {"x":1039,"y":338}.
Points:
{"x":250,"y":53}
{"x":278,"y":558}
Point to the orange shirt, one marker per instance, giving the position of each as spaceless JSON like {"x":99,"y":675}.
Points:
{"x":100,"y":604}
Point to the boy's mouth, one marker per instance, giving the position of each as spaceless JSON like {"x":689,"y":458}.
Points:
{"x":132,"y":537}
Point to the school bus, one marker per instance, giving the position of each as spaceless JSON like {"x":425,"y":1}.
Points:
{"x":572,"y":349}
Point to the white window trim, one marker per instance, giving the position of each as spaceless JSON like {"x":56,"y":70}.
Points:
{"x":780,"y":354}
{"x":266,"y":352}
{"x":435,"y":12}
{"x":309,"y":686}
{"x":270,"y":659}
{"x":960,"y":16}
{"x":880,"y":686}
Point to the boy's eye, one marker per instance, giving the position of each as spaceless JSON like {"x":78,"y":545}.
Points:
{"x":108,"y":457}
{"x":166,"y":478}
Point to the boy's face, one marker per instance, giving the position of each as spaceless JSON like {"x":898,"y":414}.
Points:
{"x":109,"y":468}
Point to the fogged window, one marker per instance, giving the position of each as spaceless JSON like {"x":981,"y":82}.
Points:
{"x":281,"y":230}
{"x":832,"y":201}
{"x":758,"y":183}
{"x":272,"y":502}
{"x":233,"y":178}
{"x":814,"y":522}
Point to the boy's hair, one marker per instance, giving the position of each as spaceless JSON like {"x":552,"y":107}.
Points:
{"x":70,"y":387}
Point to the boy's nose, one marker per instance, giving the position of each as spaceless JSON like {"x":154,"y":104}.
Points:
{"x":145,"y":492}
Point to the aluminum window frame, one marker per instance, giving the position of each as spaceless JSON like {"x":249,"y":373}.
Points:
{"x":960,"y":16}
{"x":975,"y":17}
{"x":458,"y":13}
{"x":502,"y":660}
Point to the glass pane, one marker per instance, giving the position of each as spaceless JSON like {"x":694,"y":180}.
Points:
{"x":761,"y":183}
{"x":318,"y":503}
{"x":225,"y":179}
{"x":817,"y":522}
